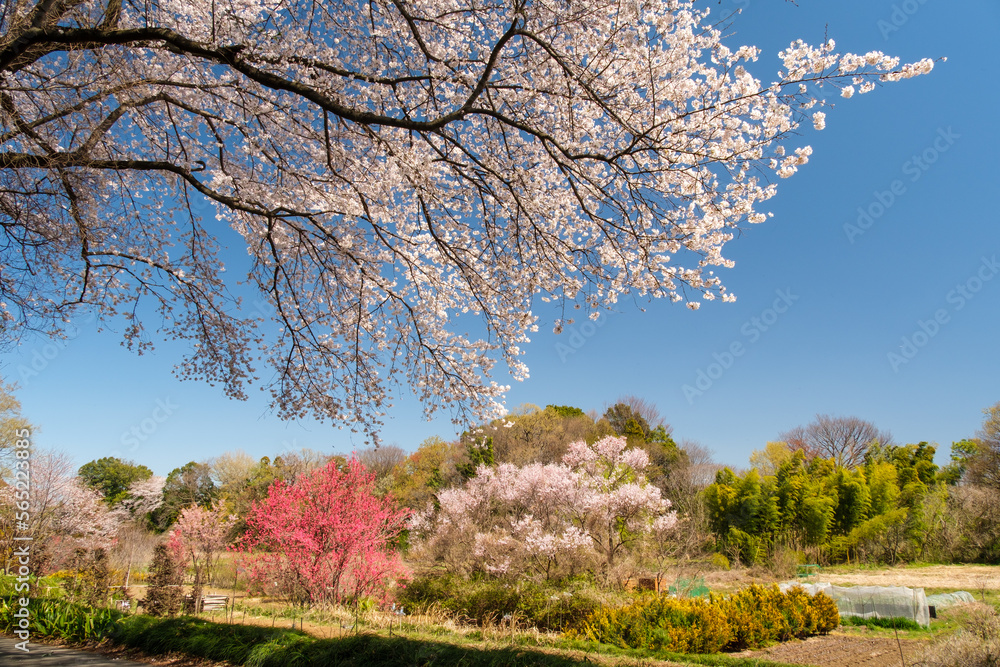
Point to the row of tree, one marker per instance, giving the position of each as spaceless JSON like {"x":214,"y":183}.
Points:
{"x":544,"y":493}
{"x":894,"y":504}
{"x":836,"y":489}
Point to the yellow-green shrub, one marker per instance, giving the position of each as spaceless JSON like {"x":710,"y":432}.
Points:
{"x":659,"y":623}
{"x":759,"y":615}
{"x":825,"y":609}
{"x":801,"y":613}
{"x":719,"y":561}
{"x":755,"y":616}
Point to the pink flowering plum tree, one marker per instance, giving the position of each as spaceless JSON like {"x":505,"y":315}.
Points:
{"x":546,"y":520}
{"x":325,"y":538}
{"x":390,"y":166}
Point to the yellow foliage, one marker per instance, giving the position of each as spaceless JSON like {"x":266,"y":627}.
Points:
{"x":659,"y":623}
{"x":750,"y":618}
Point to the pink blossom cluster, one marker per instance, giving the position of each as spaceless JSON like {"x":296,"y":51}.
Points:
{"x":202,"y":533}
{"x":546,"y":520}
{"x":324,"y":538}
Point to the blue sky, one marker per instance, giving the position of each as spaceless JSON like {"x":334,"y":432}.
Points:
{"x":820,"y":307}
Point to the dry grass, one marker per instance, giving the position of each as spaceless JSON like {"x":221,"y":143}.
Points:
{"x":977,"y":579}
{"x":972,"y":578}
{"x":977,"y":644}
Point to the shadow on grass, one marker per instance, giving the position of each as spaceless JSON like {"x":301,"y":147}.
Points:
{"x":274,"y":647}
{"x":256,"y":646}
{"x":712,"y":659}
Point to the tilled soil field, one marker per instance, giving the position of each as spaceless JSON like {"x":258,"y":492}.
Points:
{"x":837,"y":650}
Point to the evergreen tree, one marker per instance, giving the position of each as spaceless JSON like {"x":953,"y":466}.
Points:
{"x":479,"y":455}
{"x":99,"y":574}
{"x":163,"y":597}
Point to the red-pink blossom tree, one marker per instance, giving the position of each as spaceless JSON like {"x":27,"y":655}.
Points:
{"x":325,"y":538}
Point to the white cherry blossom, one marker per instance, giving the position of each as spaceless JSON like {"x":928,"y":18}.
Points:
{"x":394,"y":168}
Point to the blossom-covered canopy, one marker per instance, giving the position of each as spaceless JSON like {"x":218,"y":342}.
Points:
{"x":392,"y":167}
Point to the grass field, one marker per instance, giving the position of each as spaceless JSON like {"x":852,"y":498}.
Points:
{"x":269,"y":632}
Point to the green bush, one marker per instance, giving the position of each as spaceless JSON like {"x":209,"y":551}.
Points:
{"x":805,"y":614}
{"x":755,"y":617}
{"x":719,"y":561}
{"x":827,"y":615}
{"x":656,"y":622}
{"x":488,"y":601}
{"x":58,"y":619}
{"x":892,"y":622}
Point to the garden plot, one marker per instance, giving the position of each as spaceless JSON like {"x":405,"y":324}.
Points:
{"x":838,"y":650}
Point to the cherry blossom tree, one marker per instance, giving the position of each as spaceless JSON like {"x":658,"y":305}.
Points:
{"x":62,"y":513}
{"x":134,"y":542}
{"x":52,"y":475}
{"x":204,"y":533}
{"x":84,"y":516}
{"x":393,"y":167}
{"x":325,"y":538}
{"x":507,"y":521}
{"x":143,"y":497}
{"x":546,"y":520}
{"x":621,"y":503}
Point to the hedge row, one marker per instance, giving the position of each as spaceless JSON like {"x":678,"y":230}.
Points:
{"x":753,"y":617}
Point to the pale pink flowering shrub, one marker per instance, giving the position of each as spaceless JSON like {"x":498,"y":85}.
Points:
{"x":202,"y":534}
{"x":326,"y":538}
{"x":548,"y":520}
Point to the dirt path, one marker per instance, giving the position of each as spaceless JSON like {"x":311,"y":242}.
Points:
{"x":838,"y":650}
{"x":43,"y":654}
{"x":46,"y":655}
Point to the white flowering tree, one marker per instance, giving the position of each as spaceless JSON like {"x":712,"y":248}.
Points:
{"x":619,"y":504}
{"x":84,"y":516}
{"x":135,"y":543}
{"x":60,"y":513}
{"x":546,"y":520}
{"x":143,"y":497}
{"x":392,"y":168}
